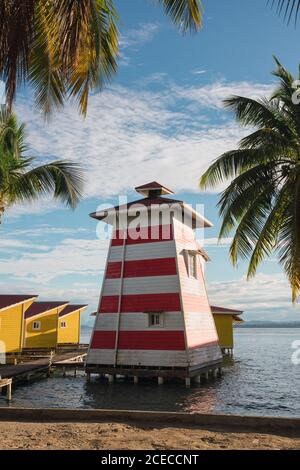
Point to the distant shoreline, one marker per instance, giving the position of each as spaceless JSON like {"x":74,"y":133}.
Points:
{"x":270,"y":324}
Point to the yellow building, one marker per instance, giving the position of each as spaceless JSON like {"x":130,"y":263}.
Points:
{"x":225,"y":318}
{"x":41,"y":324}
{"x":69,"y":324}
{"x":12,"y":312}
{"x":49,"y":324}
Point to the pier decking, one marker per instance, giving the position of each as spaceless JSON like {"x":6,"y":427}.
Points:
{"x":6,"y":383}
{"x":43,"y":365}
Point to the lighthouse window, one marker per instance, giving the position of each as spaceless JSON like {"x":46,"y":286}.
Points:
{"x":36,"y":325}
{"x":192,"y":265}
{"x":155,"y":319}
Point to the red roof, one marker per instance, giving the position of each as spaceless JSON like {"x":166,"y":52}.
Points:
{"x":9,"y":300}
{"x":70,"y":309}
{"x":145,"y":188}
{"x":148,"y":201}
{"x":41,"y":307}
{"x":220,"y":310}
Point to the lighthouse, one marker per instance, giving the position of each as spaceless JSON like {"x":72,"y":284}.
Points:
{"x":153,"y":317}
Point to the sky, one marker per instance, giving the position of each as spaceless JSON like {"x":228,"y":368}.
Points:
{"x":161,"y":118}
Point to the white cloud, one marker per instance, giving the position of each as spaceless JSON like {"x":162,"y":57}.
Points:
{"x":7,"y":244}
{"x":199,"y":72}
{"x":212,"y":95}
{"x":132,"y":136}
{"x":135,"y":38}
{"x":216,"y":242}
{"x":76,"y":257}
{"x":46,"y":230}
{"x":266,"y":297}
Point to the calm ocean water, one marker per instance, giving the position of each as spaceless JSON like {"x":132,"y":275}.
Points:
{"x":261,"y":380}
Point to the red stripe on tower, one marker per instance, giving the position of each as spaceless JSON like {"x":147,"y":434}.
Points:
{"x":142,"y":268}
{"x":141,"y":303}
{"x":140,"y":340}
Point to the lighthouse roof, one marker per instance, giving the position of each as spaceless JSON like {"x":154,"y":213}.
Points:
{"x":153,"y":187}
{"x":153,"y":197}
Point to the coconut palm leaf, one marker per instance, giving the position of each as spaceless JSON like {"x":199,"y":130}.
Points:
{"x":63,"y":179}
{"x":289,"y":9}
{"x":186,"y":14}
{"x":262,"y":202}
{"x":21,"y":180}
{"x":65,"y":49}
{"x":289,"y":233}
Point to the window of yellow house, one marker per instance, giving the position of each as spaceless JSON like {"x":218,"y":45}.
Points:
{"x":36,"y":325}
{"x":63,"y":324}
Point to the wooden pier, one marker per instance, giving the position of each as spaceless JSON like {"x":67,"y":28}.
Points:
{"x":30,"y":368}
{"x":197,"y":375}
{"x":6,"y":383}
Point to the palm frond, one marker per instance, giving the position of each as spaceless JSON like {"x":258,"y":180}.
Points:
{"x":46,"y":74}
{"x":186,"y":14}
{"x":242,"y":193}
{"x":268,"y":237}
{"x":16,"y":33}
{"x":289,"y":235}
{"x":62,"y":178}
{"x":289,"y":9}
{"x":251,"y":224}
{"x":231,"y":164}
{"x":95,"y":65}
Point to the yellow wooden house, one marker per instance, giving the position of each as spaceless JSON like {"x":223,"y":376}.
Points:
{"x":225,"y":319}
{"x":41,"y":324}
{"x":12,"y":312}
{"x":68,"y":331}
{"x":51,"y":324}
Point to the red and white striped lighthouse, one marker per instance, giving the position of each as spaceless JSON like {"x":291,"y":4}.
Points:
{"x":154,"y":317}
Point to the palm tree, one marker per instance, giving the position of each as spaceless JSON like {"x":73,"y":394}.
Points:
{"x":65,"y":48}
{"x":262,"y":202}
{"x":21,"y":181}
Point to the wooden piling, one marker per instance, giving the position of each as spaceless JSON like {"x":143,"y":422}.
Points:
{"x":110,"y":378}
{"x":8,"y":384}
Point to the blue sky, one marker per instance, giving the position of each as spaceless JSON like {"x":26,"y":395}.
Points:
{"x":160,"y":119}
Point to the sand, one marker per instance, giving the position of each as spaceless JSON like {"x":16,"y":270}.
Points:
{"x":114,"y":436}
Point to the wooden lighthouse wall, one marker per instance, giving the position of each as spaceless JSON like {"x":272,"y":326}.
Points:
{"x":150,"y":284}
{"x":201,"y":334}
{"x":154,"y":280}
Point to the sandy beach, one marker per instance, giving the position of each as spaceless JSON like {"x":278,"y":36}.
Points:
{"x":114,"y":436}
